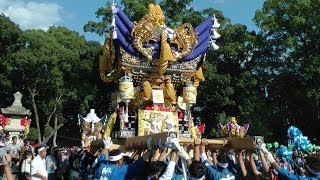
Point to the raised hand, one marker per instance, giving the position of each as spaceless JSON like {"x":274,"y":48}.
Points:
{"x":107,"y":142}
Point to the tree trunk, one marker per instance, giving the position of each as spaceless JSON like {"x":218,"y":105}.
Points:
{"x":35,"y":109}
{"x":58,"y":100}
{"x":55,"y":132}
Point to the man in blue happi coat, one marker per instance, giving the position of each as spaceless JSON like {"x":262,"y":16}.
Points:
{"x":111,"y":167}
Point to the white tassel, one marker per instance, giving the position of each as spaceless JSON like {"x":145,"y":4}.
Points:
{"x":214,"y":46}
{"x":215,"y":22}
{"x":113,"y":23}
{"x":114,"y":8}
{"x":114,"y":34}
{"x":215,"y":35}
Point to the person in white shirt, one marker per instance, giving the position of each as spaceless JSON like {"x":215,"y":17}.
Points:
{"x":38,"y":164}
{"x":13,"y":149}
{"x":26,"y":162}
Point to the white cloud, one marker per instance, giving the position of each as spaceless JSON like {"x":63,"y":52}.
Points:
{"x":30,"y":14}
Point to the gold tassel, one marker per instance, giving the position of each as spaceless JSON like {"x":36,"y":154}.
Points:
{"x":198,"y":77}
{"x":109,"y":126}
{"x":160,"y":15}
{"x":171,"y":92}
{"x":147,"y":89}
{"x":106,"y":61}
{"x":152,"y":10}
{"x":193,"y":131}
{"x":165,"y":54}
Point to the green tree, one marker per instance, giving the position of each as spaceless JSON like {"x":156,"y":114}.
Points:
{"x":290,"y":29}
{"x":56,"y":68}
{"x":9,"y":43}
{"x":102,"y":26}
{"x":10,"y":33}
{"x":231,"y":86}
{"x":33,"y":134}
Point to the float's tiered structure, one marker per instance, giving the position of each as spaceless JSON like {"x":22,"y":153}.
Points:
{"x":158,"y":70}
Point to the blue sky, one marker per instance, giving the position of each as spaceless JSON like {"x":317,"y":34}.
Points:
{"x":40,"y":14}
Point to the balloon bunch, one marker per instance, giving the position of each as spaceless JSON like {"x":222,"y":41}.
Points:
{"x":272,"y":146}
{"x":284,"y":152}
{"x":312,"y":148}
{"x":293,"y":132}
{"x":297,"y":141}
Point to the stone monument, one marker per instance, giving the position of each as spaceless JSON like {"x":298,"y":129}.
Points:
{"x":17,"y":117}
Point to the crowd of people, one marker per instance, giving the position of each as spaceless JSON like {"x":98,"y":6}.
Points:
{"x":21,"y":160}
{"x":167,"y":160}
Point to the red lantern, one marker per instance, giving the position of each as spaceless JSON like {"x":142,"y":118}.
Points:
{"x":25,"y":121}
{"x":4,"y":120}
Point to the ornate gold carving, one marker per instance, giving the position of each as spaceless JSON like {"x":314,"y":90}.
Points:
{"x":128,"y":58}
{"x":130,"y":62}
{"x":152,"y":26}
{"x":147,"y":29}
{"x":185,"y":37}
{"x":189,"y":66}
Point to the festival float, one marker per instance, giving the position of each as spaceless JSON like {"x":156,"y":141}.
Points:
{"x":158,"y":70}
{"x":91,"y":127}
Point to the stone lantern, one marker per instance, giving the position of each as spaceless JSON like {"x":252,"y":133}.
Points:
{"x":17,"y":116}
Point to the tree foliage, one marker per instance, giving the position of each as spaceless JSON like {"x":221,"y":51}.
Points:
{"x":9,"y":43}
{"x":57,"y":70}
{"x":291,"y":28}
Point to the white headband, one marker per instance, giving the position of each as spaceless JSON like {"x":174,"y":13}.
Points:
{"x":42,"y":148}
{"x":223,"y":165}
{"x":116,"y":158}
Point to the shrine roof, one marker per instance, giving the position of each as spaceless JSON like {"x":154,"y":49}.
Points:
{"x":15,"y":110}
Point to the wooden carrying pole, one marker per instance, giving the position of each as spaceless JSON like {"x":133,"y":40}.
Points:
{"x":140,"y":142}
